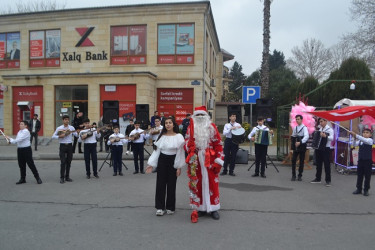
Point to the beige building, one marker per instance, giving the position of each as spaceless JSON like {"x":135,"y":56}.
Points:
{"x":111,"y":62}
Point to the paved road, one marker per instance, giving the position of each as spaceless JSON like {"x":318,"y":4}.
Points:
{"x":118,"y":212}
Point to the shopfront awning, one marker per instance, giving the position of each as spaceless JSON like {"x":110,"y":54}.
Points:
{"x":24,"y":104}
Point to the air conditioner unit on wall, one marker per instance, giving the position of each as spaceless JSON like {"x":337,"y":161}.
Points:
{"x":211,"y":104}
{"x":213,"y":83}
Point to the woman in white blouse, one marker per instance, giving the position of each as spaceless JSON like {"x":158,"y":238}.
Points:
{"x":168,"y":158}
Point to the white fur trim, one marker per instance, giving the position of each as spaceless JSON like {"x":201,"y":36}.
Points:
{"x":200,"y":112}
{"x":219,"y":161}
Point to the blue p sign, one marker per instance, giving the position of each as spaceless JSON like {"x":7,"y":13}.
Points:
{"x":250,"y":94}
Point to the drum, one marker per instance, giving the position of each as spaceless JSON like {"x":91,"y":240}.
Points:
{"x":238,"y":135}
{"x":319,"y":143}
{"x":301,"y":147}
{"x":263,"y":137}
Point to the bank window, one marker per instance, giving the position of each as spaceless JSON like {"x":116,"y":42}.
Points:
{"x":10,"y":50}
{"x":44,"y":48}
{"x":176,"y":43}
{"x":128,"y":44}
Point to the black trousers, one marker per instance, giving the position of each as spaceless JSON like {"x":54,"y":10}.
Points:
{"x":129,"y":146}
{"x":117,"y":158}
{"x":25,"y":156}
{"x":260,"y":158}
{"x":34,"y":135}
{"x":75,"y":144}
{"x":138,"y":153}
{"x":89,"y":150}
{"x":322,"y":157}
{"x":101,"y":143}
{"x":66,"y":156}
{"x":230,"y":152}
{"x":166,"y":180}
{"x":301,"y":162}
{"x":364,"y":169}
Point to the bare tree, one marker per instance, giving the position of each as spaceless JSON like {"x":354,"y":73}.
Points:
{"x":312,"y":59}
{"x":37,"y":5}
{"x":362,"y":41}
{"x":339,"y":53}
{"x":265,"y":69}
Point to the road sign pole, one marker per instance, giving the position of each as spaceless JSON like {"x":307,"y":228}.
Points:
{"x":251,"y":120}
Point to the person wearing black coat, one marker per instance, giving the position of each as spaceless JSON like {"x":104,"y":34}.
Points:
{"x":34,"y":128}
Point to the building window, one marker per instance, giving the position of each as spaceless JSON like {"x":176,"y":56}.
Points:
{"x":45,"y":48}
{"x":10,"y":51}
{"x":128,"y":44}
{"x":176,"y":43}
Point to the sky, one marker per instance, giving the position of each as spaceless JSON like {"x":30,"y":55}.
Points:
{"x":239,"y":24}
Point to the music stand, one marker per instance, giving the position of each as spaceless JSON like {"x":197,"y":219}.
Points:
{"x":269,"y":158}
{"x":110,"y":163}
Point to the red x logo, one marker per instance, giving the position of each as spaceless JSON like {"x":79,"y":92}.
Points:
{"x":84,"y":41}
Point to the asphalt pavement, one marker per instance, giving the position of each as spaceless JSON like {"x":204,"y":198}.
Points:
{"x":115,"y":212}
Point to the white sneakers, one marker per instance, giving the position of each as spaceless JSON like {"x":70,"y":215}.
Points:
{"x":160,"y":212}
{"x":127,"y":152}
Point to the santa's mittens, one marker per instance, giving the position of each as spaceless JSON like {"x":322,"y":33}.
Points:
{"x":194,"y":216}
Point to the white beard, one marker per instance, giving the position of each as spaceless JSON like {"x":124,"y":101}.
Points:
{"x":203,"y":131}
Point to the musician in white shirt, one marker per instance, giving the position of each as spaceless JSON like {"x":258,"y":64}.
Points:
{"x":260,"y":149}
{"x":300,"y":131}
{"x":230,"y":148}
{"x":66,"y":148}
{"x":155,"y":132}
{"x":116,"y":141}
{"x":323,"y":156}
{"x":89,"y":137}
{"x":138,"y":146}
{"x":24,"y":153}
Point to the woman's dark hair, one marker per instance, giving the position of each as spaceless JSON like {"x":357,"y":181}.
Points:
{"x":164,"y":130}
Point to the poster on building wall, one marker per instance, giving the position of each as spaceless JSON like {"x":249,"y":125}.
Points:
{"x":166,"y":39}
{"x":1,"y":116}
{"x":185,"y":39}
{"x":36,"y":44}
{"x":2,"y":46}
{"x":13,"y":46}
{"x":53,"y":43}
{"x":137,"y":40}
{"x":119,"y":46}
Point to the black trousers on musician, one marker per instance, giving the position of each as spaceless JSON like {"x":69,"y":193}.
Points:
{"x":25,"y":156}
{"x":230,"y":153}
{"x":138,"y":153}
{"x":129,"y":147}
{"x":166,"y":180}
{"x":117,"y":158}
{"x":66,"y":156}
{"x":364,"y":169}
{"x":34,"y":135}
{"x":260,"y":158}
{"x":89,"y":150}
{"x":322,"y":157}
{"x":301,"y":155}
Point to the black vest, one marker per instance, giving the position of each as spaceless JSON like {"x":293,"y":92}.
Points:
{"x":365,"y":152}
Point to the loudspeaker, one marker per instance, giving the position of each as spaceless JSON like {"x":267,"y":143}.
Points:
{"x":264,"y":108}
{"x":235,"y":109}
{"x":142,"y":115}
{"x":242,"y":156}
{"x":110,"y":111}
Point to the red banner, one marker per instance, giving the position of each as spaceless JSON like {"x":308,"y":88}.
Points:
{"x":165,"y":59}
{"x":345,"y":114}
{"x":185,"y":59}
{"x":119,"y":60}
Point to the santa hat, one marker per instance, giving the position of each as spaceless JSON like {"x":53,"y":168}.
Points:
{"x":200,"y":110}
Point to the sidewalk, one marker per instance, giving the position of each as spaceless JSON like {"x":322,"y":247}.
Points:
{"x":49,"y":150}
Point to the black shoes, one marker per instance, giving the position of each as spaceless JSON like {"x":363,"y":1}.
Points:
{"x":142,"y":172}
{"x":62,"y":180}
{"x":232,"y":174}
{"x":88,"y":177}
{"x":96,"y":176}
{"x":365,"y":193}
{"x":357,"y":191}
{"x":21,"y":181}
{"x":255,"y":175}
{"x":215,"y":215}
{"x":115,"y":174}
{"x":201,"y":213}
{"x":315,"y":181}
{"x":328,"y":183}
{"x":135,"y":172}
{"x":120,"y":174}
{"x":263,"y":175}
{"x":293,"y":178}
{"x":299,"y":178}
{"x":222,"y":173}
{"x":39,"y":181}
{"x":68,"y":179}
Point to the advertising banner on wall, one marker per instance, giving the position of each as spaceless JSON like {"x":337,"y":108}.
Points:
{"x":36,"y":44}
{"x":185,"y":39}
{"x":2,"y":46}
{"x":53,"y":44}
{"x":166,"y":39}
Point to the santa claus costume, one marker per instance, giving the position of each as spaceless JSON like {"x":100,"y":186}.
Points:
{"x":205,"y":159}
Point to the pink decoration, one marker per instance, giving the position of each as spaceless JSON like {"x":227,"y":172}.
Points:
{"x":368,"y":120}
{"x":308,"y":119}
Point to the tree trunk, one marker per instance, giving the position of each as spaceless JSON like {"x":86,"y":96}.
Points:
{"x":265,"y":71}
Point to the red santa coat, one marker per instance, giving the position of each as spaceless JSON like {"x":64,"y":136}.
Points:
{"x":203,"y":168}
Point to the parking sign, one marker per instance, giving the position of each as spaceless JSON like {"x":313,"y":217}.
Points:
{"x":250,"y":94}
